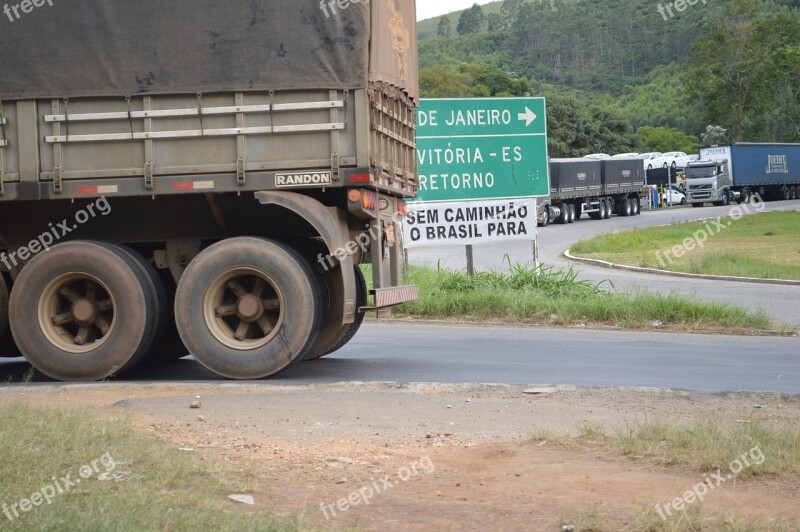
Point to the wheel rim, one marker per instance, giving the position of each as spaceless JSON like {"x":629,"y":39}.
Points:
{"x":243,"y":309}
{"x":76,"y":312}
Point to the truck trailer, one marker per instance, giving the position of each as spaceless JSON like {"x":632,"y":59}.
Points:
{"x":737,"y":172}
{"x":595,"y":187}
{"x":202,"y":176}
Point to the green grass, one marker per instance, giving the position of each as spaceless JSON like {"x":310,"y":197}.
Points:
{"x":557,"y":297}
{"x":762,"y":246}
{"x":646,"y":519}
{"x":700,"y":447}
{"x":167,"y":490}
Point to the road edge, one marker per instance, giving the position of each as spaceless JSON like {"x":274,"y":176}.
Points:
{"x":614,"y":266}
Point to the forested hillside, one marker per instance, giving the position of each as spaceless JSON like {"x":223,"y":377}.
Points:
{"x":629,"y":61}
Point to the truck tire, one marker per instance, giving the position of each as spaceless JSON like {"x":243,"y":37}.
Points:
{"x":157,"y":293}
{"x":609,"y":208}
{"x":571,"y":210}
{"x":725,"y":201}
{"x":602,"y":213}
{"x":786,"y":193}
{"x":82,"y":311}
{"x":545,"y":217}
{"x":636,"y":208}
{"x":625,"y":207}
{"x":8,"y":348}
{"x":563,"y":218}
{"x":248,"y":308}
{"x":167,"y":344}
{"x":794,"y":193}
{"x":747,"y":196}
{"x":344,"y":333}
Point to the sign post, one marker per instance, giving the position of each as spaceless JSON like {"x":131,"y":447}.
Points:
{"x":482,"y":164}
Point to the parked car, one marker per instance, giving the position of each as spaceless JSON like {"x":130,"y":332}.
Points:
{"x":677,"y":159}
{"x":653,"y":160}
{"x":626,"y":156}
{"x":598,"y":156}
{"x":673,"y":196}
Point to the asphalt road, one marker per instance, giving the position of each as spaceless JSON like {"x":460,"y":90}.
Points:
{"x":403,"y":352}
{"x":780,"y":302}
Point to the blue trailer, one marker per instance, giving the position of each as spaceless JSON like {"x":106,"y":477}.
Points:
{"x":738,"y":171}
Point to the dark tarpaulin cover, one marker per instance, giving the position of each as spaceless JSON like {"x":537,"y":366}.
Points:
{"x":77,"y":48}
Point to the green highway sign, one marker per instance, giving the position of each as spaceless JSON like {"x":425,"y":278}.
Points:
{"x":482,"y":148}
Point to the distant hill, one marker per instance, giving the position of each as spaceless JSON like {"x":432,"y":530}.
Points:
{"x":426,"y":29}
{"x":596,"y":45}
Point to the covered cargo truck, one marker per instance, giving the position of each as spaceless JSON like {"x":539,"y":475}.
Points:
{"x":739,"y":171}
{"x":595,"y":187}
{"x":202,"y":176}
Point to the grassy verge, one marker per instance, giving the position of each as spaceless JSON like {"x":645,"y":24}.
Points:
{"x":747,"y":451}
{"x":691,"y":520}
{"x":166,"y":489}
{"x":772,"y":451}
{"x":761,"y":246}
{"x":556,"y":297}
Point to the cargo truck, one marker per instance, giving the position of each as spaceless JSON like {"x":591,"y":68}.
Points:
{"x":202,"y":176}
{"x":595,"y":187}
{"x":737,"y":172}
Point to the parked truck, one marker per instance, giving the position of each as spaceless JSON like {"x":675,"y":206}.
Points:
{"x":202,"y":176}
{"x":737,"y":172}
{"x":595,"y":187}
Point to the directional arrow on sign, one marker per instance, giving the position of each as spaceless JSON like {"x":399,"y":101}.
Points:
{"x":528,"y":116}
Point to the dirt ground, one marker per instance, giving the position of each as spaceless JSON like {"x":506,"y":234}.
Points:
{"x":424,"y":456}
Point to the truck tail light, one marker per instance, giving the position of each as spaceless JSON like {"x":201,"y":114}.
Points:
{"x":402,"y":208}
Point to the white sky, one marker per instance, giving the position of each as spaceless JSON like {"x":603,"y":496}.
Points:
{"x":434,"y":8}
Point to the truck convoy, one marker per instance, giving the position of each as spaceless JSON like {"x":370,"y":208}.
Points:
{"x":737,"y":172}
{"x":204,"y":183}
{"x":595,"y":187}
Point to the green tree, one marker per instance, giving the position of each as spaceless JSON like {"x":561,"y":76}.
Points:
{"x":470,"y":81}
{"x":732,"y":71}
{"x":664,"y":139}
{"x":444,"y":29}
{"x":508,"y":12}
{"x":494,"y":22}
{"x":471,"y":20}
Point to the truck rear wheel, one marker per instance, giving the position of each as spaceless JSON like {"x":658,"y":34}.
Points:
{"x":82,"y":311}
{"x":625,"y":208}
{"x":602,"y":209}
{"x":571,"y":213}
{"x":786,"y":193}
{"x":609,"y":208}
{"x":794,"y":193}
{"x":636,"y":208}
{"x":563,"y":217}
{"x":167,"y":344}
{"x":8,"y":348}
{"x":248,"y":308}
{"x":335,"y":336}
